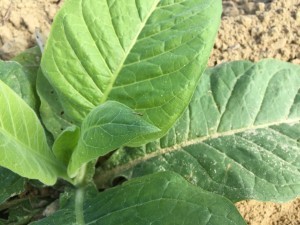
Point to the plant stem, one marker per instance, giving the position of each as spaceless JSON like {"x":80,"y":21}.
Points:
{"x":79,"y":196}
{"x":80,"y":179}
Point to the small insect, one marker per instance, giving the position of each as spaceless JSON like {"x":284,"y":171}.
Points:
{"x":138,"y":113}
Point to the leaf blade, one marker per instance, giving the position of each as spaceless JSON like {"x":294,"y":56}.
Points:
{"x":106,"y":128}
{"x":23,"y":145}
{"x":65,"y":144}
{"x":11,"y":184}
{"x":112,"y":47}
{"x":17,"y":78}
{"x":176,"y":202}
{"x":51,"y":111}
{"x":239,"y":136}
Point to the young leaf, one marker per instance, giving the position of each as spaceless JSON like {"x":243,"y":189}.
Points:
{"x":65,"y":144}
{"x":23,"y":145}
{"x":106,"y":128}
{"x":239,"y":136}
{"x":11,"y":184}
{"x":163,"y":198}
{"x":148,"y":55}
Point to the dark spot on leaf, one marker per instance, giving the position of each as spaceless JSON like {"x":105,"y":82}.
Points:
{"x":61,"y":129}
{"x":52,"y":92}
{"x":62,"y":113}
{"x":118,"y":181}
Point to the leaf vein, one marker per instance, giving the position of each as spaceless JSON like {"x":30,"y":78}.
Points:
{"x":115,"y":75}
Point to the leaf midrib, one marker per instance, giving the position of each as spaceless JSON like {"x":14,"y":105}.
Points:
{"x":104,"y":175}
{"x":115,"y":75}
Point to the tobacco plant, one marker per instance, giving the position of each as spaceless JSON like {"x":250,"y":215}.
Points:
{"x":119,"y":116}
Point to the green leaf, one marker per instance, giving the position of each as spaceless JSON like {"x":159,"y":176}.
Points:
{"x":239,"y":136}
{"x":11,"y":184}
{"x":23,"y":211}
{"x":148,"y":55}
{"x":30,"y":60}
{"x":23,"y":145}
{"x":105,"y":129}
{"x":65,"y":144}
{"x":163,"y":198}
{"x":51,"y":111}
{"x":14,"y":75}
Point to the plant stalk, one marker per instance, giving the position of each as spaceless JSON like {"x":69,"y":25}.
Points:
{"x":79,"y":198}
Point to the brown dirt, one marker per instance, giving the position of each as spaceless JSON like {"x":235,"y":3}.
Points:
{"x":18,"y":20}
{"x":250,"y":29}
{"x":259,"y":29}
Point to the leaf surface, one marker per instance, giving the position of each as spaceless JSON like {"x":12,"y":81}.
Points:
{"x":14,"y":75}
{"x":23,"y":145}
{"x":163,"y":198}
{"x":148,"y":55}
{"x":239,"y":136}
{"x":11,"y":184}
{"x":65,"y":144}
{"x":105,"y":129}
{"x":51,"y":110}
{"x":30,"y":60}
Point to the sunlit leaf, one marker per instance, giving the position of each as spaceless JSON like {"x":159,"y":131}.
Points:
{"x":239,"y":136}
{"x":148,"y":55}
{"x":105,"y":129}
{"x":23,"y":145}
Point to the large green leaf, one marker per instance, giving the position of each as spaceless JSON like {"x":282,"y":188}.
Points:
{"x":23,"y":145}
{"x":239,"y":136}
{"x":148,"y":55}
{"x":11,"y":184}
{"x":163,"y":198}
{"x":105,"y":129}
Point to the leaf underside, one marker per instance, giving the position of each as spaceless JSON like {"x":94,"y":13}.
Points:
{"x":16,"y":77}
{"x":148,"y":55}
{"x":239,"y":136}
{"x":163,"y":198}
{"x":23,"y":144}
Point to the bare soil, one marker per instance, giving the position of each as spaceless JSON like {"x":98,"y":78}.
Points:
{"x":18,"y":20}
{"x":250,"y":30}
